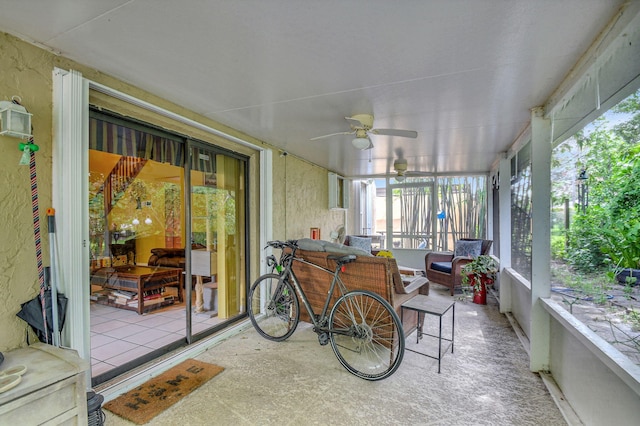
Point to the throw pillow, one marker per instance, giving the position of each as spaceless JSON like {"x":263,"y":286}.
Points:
{"x":468,"y":248}
{"x":362,"y":243}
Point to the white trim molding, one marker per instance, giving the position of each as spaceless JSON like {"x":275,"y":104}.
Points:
{"x":70,"y":201}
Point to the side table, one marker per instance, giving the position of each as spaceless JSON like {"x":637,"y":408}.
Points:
{"x":52,"y":391}
{"x":426,"y":305}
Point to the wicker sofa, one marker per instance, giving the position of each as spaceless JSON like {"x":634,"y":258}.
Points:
{"x":377,"y":274}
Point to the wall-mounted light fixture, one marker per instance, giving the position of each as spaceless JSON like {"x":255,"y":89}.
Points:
{"x":14,"y":120}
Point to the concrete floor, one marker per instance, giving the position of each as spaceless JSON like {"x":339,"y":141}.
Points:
{"x":486,"y":381}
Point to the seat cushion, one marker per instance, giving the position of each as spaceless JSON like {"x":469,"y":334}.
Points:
{"x":441,"y":267}
{"x":310,"y":245}
{"x":468,"y":248}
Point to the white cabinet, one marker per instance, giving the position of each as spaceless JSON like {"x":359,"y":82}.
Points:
{"x":52,"y":391}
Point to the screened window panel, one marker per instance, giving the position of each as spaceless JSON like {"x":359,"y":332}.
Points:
{"x":521,"y":208}
{"x":609,"y":79}
{"x":462,"y":209}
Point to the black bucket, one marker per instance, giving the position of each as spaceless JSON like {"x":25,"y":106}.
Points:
{"x":628,"y":273}
{"x":95,"y":415}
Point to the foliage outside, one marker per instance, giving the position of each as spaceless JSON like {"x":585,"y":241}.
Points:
{"x":605,"y":232}
{"x":461,"y":211}
{"x":603,"y":237}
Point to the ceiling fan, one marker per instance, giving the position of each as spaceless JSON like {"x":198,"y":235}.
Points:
{"x":362,"y":127}
{"x":400,"y":167}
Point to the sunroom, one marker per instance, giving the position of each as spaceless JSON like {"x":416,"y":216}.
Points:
{"x":479,"y":167}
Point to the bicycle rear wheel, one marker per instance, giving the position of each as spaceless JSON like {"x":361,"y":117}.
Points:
{"x":366,"y":335}
{"x":276,"y":318}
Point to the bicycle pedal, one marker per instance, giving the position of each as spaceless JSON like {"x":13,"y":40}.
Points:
{"x":323,"y":338}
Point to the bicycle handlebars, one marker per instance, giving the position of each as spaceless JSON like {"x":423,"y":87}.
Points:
{"x":282,"y":244}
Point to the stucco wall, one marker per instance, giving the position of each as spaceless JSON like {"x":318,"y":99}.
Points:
{"x":300,"y":189}
{"x":26,"y":72}
{"x":306,"y":200}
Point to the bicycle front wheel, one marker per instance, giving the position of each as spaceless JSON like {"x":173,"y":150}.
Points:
{"x":273,"y":307}
{"x":366,"y":335}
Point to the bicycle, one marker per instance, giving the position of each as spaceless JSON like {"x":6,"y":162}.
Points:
{"x":365,"y":332}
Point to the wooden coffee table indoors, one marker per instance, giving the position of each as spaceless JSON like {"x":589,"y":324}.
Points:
{"x":139,"y":280}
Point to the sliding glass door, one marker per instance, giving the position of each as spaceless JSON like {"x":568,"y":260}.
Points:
{"x":144,"y":226}
{"x":218,"y":236}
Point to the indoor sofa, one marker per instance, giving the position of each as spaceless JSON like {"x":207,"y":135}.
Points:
{"x":174,"y":258}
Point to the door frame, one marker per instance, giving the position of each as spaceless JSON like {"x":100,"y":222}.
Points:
{"x":70,"y":193}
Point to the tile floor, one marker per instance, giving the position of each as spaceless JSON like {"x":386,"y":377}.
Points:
{"x":119,"y":335}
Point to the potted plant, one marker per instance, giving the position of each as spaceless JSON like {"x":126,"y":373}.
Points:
{"x":479,"y":273}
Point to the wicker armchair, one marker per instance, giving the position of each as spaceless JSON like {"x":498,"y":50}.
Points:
{"x":444,"y":268}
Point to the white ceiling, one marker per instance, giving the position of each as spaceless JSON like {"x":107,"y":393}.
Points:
{"x":463,"y":73}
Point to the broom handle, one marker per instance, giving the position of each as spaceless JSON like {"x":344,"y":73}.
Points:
{"x":51,"y":217}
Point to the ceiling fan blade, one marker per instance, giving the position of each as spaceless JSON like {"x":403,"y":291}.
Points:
{"x":395,"y":132}
{"x":354,"y":122}
{"x":332,"y":134}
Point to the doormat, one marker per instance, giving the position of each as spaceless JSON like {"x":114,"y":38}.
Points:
{"x":143,"y":403}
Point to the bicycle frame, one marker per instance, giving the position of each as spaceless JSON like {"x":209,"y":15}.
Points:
{"x":363,"y":329}
{"x":319,"y":321}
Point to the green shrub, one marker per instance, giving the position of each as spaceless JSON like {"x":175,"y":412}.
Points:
{"x":586,"y":240}
{"x":558,"y":249}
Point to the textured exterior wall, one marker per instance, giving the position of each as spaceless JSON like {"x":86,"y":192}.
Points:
{"x":300,"y":189}
{"x":306,"y":199}
{"x":26,"y":72}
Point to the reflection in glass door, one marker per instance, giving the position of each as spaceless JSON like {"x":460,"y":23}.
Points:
{"x":136,"y":235}
{"x":218,"y":219}
{"x":142,"y":231}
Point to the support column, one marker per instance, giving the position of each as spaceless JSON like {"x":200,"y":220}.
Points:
{"x":541,"y":242}
{"x":505,"y":231}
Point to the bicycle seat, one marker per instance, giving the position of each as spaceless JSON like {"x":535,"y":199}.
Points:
{"x":342,"y":259}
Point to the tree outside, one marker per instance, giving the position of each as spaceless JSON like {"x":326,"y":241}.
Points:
{"x":596,"y":224}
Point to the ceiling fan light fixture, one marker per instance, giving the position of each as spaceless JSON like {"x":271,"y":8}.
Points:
{"x":362,"y":143}
{"x":400,"y":178}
